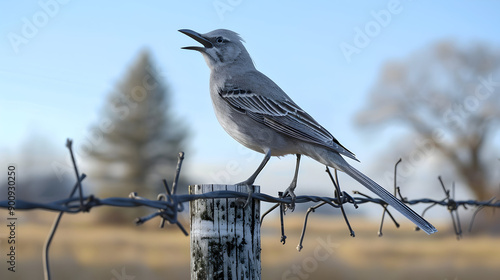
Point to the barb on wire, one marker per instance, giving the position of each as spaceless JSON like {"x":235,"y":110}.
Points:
{"x":78,"y":185}
{"x":452,"y":207}
{"x":303,"y":234}
{"x":69,"y":145}
{"x":282,"y":222}
{"x":169,"y":204}
{"x":477,"y":211}
{"x":55,"y":225}
{"x":340,"y":198}
{"x":396,"y":192}
{"x":170,"y":196}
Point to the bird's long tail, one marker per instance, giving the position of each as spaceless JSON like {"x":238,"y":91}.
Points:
{"x":389,"y":198}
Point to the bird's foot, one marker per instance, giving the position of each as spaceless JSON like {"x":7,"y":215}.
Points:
{"x":242,"y":201}
{"x":289,"y":192}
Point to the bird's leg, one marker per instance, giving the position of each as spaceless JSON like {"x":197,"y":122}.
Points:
{"x":293,"y":185}
{"x":249,"y":182}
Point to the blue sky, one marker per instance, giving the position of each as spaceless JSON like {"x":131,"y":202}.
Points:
{"x":54,"y":77}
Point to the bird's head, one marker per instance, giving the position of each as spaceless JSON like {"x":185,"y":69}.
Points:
{"x":222,"y":48}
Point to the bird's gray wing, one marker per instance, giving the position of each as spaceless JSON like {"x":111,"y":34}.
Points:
{"x":284,"y":116}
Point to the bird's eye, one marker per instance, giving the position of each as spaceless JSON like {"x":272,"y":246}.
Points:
{"x":220,"y":40}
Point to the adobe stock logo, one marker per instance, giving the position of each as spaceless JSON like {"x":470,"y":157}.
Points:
{"x":364,"y":36}
{"x":32,"y":25}
{"x":222,"y":7}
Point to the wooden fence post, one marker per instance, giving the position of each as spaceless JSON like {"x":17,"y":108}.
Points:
{"x":225,"y":238}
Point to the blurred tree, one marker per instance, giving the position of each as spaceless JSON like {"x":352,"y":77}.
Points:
{"x":138,"y":137}
{"x":449,"y":96}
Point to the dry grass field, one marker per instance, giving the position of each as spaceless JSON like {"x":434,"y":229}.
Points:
{"x":82,"y":250}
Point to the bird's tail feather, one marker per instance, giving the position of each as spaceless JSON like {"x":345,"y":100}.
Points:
{"x":389,"y":198}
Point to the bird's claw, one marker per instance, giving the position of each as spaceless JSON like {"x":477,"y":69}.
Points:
{"x":242,"y":201}
{"x":289,"y":192}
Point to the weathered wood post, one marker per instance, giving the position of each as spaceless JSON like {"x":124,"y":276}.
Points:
{"x":225,"y":238}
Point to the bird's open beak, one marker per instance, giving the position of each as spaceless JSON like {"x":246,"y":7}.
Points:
{"x":198,"y":37}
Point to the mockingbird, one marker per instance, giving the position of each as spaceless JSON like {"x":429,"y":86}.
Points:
{"x":262,"y":117}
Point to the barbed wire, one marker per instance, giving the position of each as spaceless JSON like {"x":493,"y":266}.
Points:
{"x":169,"y":204}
